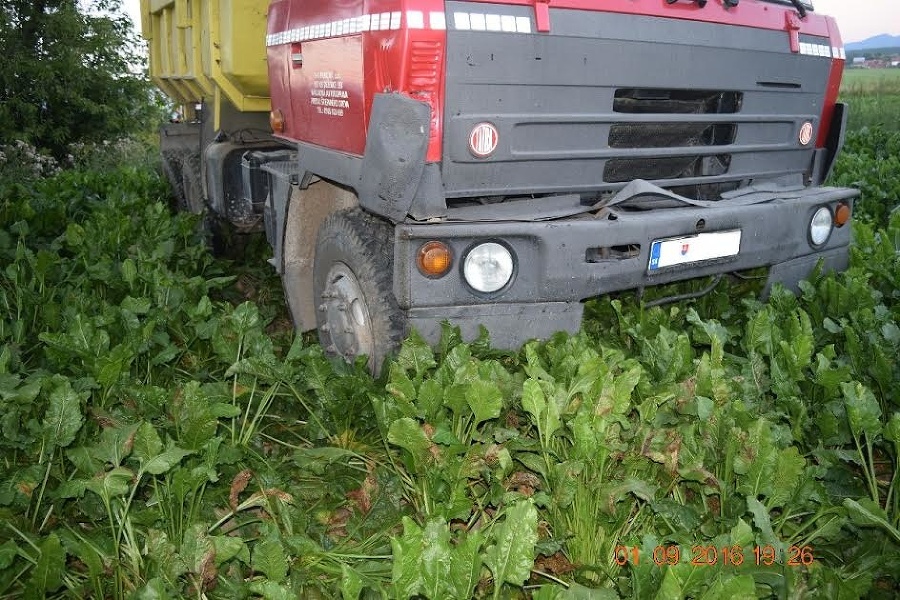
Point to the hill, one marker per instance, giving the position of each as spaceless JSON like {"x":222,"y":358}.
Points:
{"x":877,"y":42}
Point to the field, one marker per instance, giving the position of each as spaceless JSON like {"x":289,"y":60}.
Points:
{"x":873,"y":96}
{"x":164,"y":435}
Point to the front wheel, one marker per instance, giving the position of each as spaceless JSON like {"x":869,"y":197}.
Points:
{"x":353,"y":270}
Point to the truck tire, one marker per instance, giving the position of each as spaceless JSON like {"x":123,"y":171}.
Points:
{"x":224,"y":241}
{"x":353,"y":271}
{"x":192,"y":188}
{"x":172,"y":169}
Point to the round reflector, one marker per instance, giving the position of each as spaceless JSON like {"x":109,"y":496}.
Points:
{"x":806,"y":134}
{"x":483,"y":140}
{"x":434,"y":259}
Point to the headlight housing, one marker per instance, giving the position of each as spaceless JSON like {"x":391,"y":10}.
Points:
{"x":820,"y":227}
{"x":488,"y":267}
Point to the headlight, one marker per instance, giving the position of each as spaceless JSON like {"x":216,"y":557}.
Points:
{"x":488,"y":267}
{"x":820,"y":226}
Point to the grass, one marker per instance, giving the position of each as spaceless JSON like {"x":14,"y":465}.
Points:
{"x":873,"y":96}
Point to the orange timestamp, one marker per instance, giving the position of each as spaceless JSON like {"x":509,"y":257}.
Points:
{"x":709,"y":556}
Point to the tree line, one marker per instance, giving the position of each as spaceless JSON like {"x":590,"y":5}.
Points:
{"x":70,"y":72}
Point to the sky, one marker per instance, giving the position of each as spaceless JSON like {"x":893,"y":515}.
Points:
{"x":858,"y":19}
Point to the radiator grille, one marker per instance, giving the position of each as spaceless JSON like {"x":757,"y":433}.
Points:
{"x":660,"y":101}
{"x":621,"y":170}
{"x":667,"y":135}
{"x":652,"y":134}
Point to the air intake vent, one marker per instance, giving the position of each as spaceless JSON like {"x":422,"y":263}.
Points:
{"x":620,"y":170}
{"x":676,"y":102}
{"x":668,"y":135}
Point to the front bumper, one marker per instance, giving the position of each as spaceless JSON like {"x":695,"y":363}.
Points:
{"x":560,"y":263}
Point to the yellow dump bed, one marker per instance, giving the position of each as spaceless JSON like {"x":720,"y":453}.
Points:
{"x":209,"y":50}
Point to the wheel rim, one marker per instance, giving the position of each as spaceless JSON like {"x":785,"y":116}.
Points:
{"x":347,"y":321}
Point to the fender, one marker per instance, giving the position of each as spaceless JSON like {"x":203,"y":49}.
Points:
{"x":394,"y":158}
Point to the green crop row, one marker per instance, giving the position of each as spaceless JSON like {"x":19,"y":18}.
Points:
{"x":163,"y":438}
{"x":873,"y":96}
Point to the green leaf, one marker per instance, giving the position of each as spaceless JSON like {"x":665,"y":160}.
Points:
{"x":416,"y":356}
{"x":613,"y":493}
{"x":759,"y":332}
{"x":63,"y":418}
{"x":74,"y":234}
{"x":891,"y":333}
{"x":407,"y":551}
{"x":430,"y":399}
{"x":741,"y":534}
{"x":615,"y":396}
{"x":147,"y":443}
{"x":762,"y":520}
{"x":548,"y":592}
{"x":451,"y":337}
{"x":401,"y":387}
{"x":162,"y":463}
{"x":801,"y":341}
{"x":863,"y":410}
{"x":426,"y":563}
{"x":511,"y":556}
{"x":485,"y":400}
{"x":579,"y":592}
{"x":194,"y":419}
{"x":271,"y":590}
{"x":84,"y":460}
{"x":408,"y":434}
{"x":892,"y":429}
{"x":789,"y":469}
{"x":456,"y":399}
{"x":73,"y":488}
{"x":109,"y":367}
{"x":245,"y":318}
{"x":227,"y":547}
{"x":742,"y":587}
{"x":47,"y":573}
{"x":866,"y":513}
{"x":351,"y":583}
{"x":8,"y":552}
{"x":671,"y":586}
{"x":435,"y":559}
{"x":668,"y":355}
{"x":545,"y":415}
{"x":155,"y":589}
{"x":268,"y":558}
{"x":129,"y":271}
{"x":534,"y":366}
{"x":115,"y":444}
{"x":465,"y":566}
{"x":756,"y":460}
{"x":135,"y":306}
{"x":114,"y":483}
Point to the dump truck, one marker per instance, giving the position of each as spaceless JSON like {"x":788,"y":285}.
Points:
{"x":498,"y":163}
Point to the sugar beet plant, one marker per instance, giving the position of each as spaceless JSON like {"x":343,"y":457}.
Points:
{"x":163,"y":438}
{"x":135,"y":441}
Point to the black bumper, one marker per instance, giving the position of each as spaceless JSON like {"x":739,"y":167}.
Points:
{"x":561,"y":263}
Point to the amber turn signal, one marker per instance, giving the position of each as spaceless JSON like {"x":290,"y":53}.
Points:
{"x":434,"y":259}
{"x":841,"y":215}
{"x":276,"y":121}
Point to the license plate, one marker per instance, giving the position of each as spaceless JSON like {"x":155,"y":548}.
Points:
{"x":694,"y":248}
